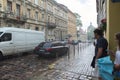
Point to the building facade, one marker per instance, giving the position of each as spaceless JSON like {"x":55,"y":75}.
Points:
{"x":101,"y":11}
{"x":83,"y":35}
{"x":72,"y":28}
{"x":112,"y":19}
{"x":41,"y":15}
{"x":56,"y":21}
{"x":23,"y":14}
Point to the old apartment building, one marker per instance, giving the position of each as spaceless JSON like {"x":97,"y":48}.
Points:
{"x":56,"y":14}
{"x":22,"y":14}
{"x":72,"y":29}
{"x":42,"y":15}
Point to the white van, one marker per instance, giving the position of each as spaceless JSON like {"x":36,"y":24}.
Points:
{"x":16,"y":40}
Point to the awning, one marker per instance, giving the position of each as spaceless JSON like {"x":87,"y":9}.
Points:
{"x":115,"y":0}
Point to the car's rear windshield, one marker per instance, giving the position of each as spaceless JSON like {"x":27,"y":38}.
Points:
{"x":41,"y":44}
{"x":47,"y":45}
{"x":1,"y":33}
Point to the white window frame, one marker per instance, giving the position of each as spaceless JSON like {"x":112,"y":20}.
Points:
{"x":9,"y":5}
{"x":36,"y":2}
{"x":36,"y":15}
{"x":28,"y":13}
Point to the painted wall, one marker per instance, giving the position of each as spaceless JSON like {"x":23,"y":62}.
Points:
{"x":113,"y":22}
{"x":72,"y":29}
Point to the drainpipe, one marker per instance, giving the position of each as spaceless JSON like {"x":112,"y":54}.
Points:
{"x":24,"y":13}
{"x":46,"y":31}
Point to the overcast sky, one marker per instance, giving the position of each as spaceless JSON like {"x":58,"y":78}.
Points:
{"x":85,"y":8}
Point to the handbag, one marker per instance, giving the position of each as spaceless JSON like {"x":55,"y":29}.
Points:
{"x":105,"y":66}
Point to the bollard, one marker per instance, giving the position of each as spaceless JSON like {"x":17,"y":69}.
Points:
{"x":56,"y":56}
{"x":68,"y":53}
{"x":78,"y":48}
{"x":74,"y":50}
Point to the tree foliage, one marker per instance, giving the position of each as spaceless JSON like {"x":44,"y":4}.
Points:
{"x":78,"y":20}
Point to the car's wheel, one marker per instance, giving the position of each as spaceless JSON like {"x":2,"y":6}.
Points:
{"x":1,"y":56}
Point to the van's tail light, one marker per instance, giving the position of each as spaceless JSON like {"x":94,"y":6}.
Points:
{"x":49,"y":49}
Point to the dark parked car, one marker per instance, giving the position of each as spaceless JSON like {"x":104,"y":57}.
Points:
{"x":64,"y":42}
{"x":52,"y":49}
{"x":75,"y":42}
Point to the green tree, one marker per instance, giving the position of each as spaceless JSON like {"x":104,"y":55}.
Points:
{"x":78,"y":20}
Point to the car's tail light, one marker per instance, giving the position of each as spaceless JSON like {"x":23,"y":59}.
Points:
{"x":36,"y":48}
{"x":49,"y":49}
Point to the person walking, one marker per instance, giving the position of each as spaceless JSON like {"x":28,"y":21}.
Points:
{"x":100,"y":47}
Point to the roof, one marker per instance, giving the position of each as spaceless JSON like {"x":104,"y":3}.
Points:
{"x":18,"y":29}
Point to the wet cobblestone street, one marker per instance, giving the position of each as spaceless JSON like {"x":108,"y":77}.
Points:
{"x":23,"y":67}
{"x":73,"y":66}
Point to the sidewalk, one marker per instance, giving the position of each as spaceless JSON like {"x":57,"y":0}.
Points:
{"x":74,"y":67}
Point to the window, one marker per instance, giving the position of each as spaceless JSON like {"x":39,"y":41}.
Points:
{"x":42,"y":28}
{"x":1,"y":33}
{"x":42,"y":3}
{"x":48,"y":6}
{"x":49,"y":32}
{"x":36,"y":2}
{"x":57,"y":44}
{"x":28,"y":13}
{"x":52,"y":32}
{"x":9,"y":25}
{"x":18,"y":26}
{"x":9,"y":6}
{"x":55,"y":21}
{"x":36,"y":15}
{"x":6,"y":37}
{"x":18,"y":10}
{"x":47,"y":45}
{"x":42,"y":16}
{"x":103,"y":2}
{"x":28,"y":27}
{"x":41,"y":44}
{"x":36,"y":28}
{"x":48,"y":18}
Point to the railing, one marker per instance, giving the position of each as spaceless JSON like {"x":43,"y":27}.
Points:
{"x":11,"y":16}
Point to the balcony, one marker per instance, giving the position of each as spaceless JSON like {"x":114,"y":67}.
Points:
{"x":10,"y":17}
{"x":50,"y":25}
